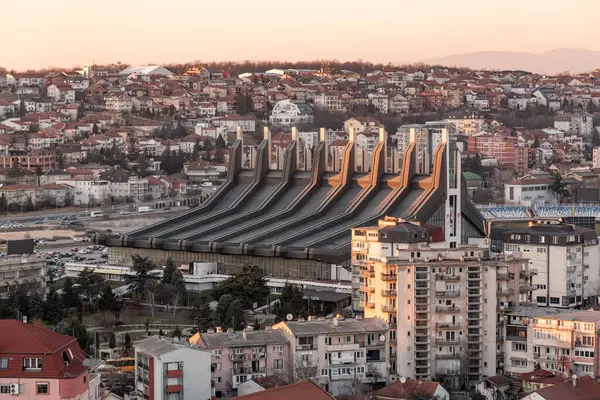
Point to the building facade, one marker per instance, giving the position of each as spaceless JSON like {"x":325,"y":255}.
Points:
{"x":566,"y":258}
{"x":38,"y":363}
{"x":169,"y":370}
{"x":17,"y":273}
{"x":337,"y":353}
{"x":237,"y":357}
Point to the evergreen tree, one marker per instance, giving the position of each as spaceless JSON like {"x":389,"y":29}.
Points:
{"x":290,"y":302}
{"x":54,"y":311}
{"x":558,"y":187}
{"x":235,"y":315}
{"x":225,"y":302}
{"x":220,"y":142}
{"x":249,"y":285}
{"x":3,"y":204}
{"x":112,"y":341}
{"x":89,"y":283}
{"x":95,"y":129}
{"x":202,"y":315}
{"x":29,"y":206}
{"x":219,"y":157}
{"x":168,"y":271}
{"x":144,"y":273}
{"x":108,"y":302}
{"x":196,"y":151}
{"x":160,"y":332}
{"x":127,"y":346}
{"x":70,"y":295}
{"x":78,"y":330}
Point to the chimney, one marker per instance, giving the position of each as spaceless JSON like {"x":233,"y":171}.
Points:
{"x":219,"y":329}
{"x":244,"y":334}
{"x":574,"y":380}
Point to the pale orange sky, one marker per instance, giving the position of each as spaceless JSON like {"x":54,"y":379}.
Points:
{"x":40,"y":33}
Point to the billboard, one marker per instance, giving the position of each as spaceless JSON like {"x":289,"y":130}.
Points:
{"x":23,"y":246}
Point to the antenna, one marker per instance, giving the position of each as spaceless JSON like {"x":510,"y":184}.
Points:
{"x":289,"y":317}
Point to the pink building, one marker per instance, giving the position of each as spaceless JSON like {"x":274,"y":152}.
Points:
{"x":241,"y":356}
{"x":38,"y":362}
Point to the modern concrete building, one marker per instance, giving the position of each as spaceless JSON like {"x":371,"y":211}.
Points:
{"x":566,"y":258}
{"x":168,"y":370}
{"x":442,"y":304}
{"x":338,"y":353}
{"x":562,"y":342}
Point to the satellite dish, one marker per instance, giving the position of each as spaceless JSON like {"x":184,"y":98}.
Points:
{"x":402,"y":379}
{"x":382,"y":338}
{"x":289,"y":317}
{"x":336,"y":322}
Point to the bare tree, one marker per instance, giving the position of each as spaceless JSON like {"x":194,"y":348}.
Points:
{"x":298,"y":370}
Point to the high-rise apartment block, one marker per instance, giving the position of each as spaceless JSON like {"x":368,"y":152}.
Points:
{"x":443,"y":305}
{"x":566,"y":258}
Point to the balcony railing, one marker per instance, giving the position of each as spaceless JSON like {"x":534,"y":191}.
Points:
{"x":389,"y":277}
{"x":502,"y":277}
{"x":449,"y":325}
{"x":447,"y":342}
{"x":447,"y":356}
{"x":447,"y":309}
{"x":505,"y":292}
{"x":447,"y":277}
{"x":525,"y":288}
{"x":389,"y":292}
{"x":308,"y":346}
{"x":388,"y":308}
{"x":448,"y":293}
{"x":528,"y":273}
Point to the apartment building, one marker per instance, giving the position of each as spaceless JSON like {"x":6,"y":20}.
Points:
{"x":566,"y":258}
{"x":166,"y":369}
{"x":237,"y":357}
{"x":505,"y":149}
{"x":541,"y":338}
{"x":36,"y":362}
{"x":447,"y":299}
{"x":338,"y":353}
{"x":17,"y":273}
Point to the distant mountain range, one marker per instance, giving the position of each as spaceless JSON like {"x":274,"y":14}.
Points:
{"x":550,"y":62}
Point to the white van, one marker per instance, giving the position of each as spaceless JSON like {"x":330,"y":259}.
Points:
{"x":96,"y":214}
{"x":144,"y":209}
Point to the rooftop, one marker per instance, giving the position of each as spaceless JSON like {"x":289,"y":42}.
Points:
{"x":297,"y":391}
{"x":316,"y":327}
{"x":235,"y":339}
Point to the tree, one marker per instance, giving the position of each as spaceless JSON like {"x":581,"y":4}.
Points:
{"x":235,"y":315}
{"x":220,"y":142}
{"x":89,"y":282}
{"x":95,"y":129}
{"x":473,"y":164}
{"x":112,"y":340}
{"x":29,"y":206}
{"x":70,"y":295}
{"x":144,"y":272}
{"x":196,"y":151}
{"x":160,"y":332}
{"x":536,"y":143}
{"x":176,"y":289}
{"x":54,"y":311}
{"x":127,"y":346}
{"x":78,"y":330}
{"x":168,"y":271}
{"x":219,"y":157}
{"x":108,"y":302}
{"x":290,"y":302}
{"x":202,"y":315}
{"x":225,"y":302}
{"x":249,"y":285}
{"x":3,"y":204}
{"x":558,"y":187}
{"x":176,"y":332}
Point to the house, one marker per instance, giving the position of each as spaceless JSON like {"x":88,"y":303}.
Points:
{"x":339,"y":350}
{"x":166,"y":369}
{"x":576,"y":388}
{"x":291,"y":113}
{"x":38,"y":362}
{"x":204,"y":171}
{"x":7,"y":109}
{"x":399,"y":104}
{"x":70,"y":110}
{"x":61,"y":92}
{"x":298,"y":391}
{"x":360,"y":124}
{"x":120,"y":103}
{"x":409,"y":389}
{"x":529,"y":190}
{"x":237,"y":357}
{"x":246,"y":122}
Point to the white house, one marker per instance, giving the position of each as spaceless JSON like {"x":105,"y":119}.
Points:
{"x":122,"y":103}
{"x":291,"y":113}
{"x":529,"y":191}
{"x":246,"y":122}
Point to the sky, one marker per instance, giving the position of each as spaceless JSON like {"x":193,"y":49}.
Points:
{"x":43,"y":33}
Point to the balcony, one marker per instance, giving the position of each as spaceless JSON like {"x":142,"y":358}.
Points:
{"x":447,"y":309}
{"x":505,"y":292}
{"x":392,"y":324}
{"x":502,"y":277}
{"x":579,"y":343}
{"x":308,"y":346}
{"x":257,"y":356}
{"x":447,"y":293}
{"x":448,"y":325}
{"x":528,"y":273}
{"x":447,"y":342}
{"x":474,"y":277}
{"x":375,"y":343}
{"x":389,"y":292}
{"x":367,"y":273}
{"x":420,"y":355}
{"x":525,"y":288}
{"x":237,"y":357}
{"x":447,"y":356}
{"x":447,"y":277}
{"x":389,"y":277}
{"x":421,"y":277}
{"x":370,"y":304}
{"x":388,"y":308}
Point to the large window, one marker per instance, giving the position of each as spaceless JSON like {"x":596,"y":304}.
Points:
{"x":32,"y":364}
{"x":278,"y":364}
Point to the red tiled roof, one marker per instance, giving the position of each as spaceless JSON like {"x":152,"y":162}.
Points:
{"x":586,"y":388}
{"x":297,"y":391}
{"x":408,"y":390}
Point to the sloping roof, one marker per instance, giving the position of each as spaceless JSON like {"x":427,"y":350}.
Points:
{"x":297,"y":391}
{"x":18,"y":337}
{"x":253,"y":338}
{"x":407,"y":390}
{"x":146,"y":70}
{"x":344,"y":326}
{"x":586,"y":388}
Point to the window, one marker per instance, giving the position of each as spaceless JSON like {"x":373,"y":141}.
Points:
{"x":279,"y":348}
{"x":555,"y":239}
{"x":3,"y":363}
{"x":42,"y":388}
{"x":348,"y":339}
{"x":278,"y":364}
{"x":32,"y":363}
{"x":542,"y":239}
